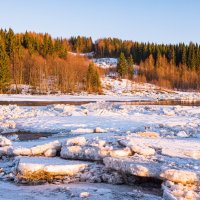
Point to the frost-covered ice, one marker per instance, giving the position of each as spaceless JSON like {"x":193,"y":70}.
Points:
{"x":4,"y":141}
{"x":48,"y":150}
{"x":121,"y":142}
{"x":168,"y":121}
{"x":55,"y":166}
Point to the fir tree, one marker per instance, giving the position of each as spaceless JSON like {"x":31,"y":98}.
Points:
{"x":93,"y":82}
{"x":183,"y":55}
{"x":46,"y":44}
{"x":122,"y":67}
{"x":10,"y":42}
{"x":4,"y":67}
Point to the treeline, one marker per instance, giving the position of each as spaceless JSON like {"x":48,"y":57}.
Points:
{"x":180,"y":54}
{"x":81,"y":44}
{"x":168,"y":75}
{"x":180,"y":63}
{"x":171,"y":66}
{"x":44,"y":45}
{"x":43,"y":63}
{"x":160,"y":72}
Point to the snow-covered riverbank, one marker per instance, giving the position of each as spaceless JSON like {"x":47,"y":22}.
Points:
{"x":113,"y":90}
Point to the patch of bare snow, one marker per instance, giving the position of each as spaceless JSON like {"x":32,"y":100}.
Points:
{"x":105,"y":63}
{"x":8,"y":191}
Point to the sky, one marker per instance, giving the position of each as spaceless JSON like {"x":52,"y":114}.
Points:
{"x":159,"y":21}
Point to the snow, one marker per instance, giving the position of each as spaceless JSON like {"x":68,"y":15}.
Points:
{"x":84,"y":153}
{"x":149,"y":134}
{"x":105,"y":63}
{"x":119,"y":140}
{"x":121,"y":152}
{"x":182,"y":134}
{"x":24,"y":89}
{"x":114,"y":90}
{"x":180,"y":176}
{"x":5,"y":151}
{"x":83,"y":130}
{"x":175,"y":191}
{"x":69,"y":98}
{"x":8,"y":191}
{"x":99,"y":130}
{"x":135,"y":166}
{"x":84,"y":194}
{"x":81,"y":141}
{"x":90,"y":54}
{"x":53,"y":166}
{"x":109,"y":117}
{"x":143,"y":91}
{"x":48,"y":150}
{"x":143,"y":150}
{"x":4,"y":141}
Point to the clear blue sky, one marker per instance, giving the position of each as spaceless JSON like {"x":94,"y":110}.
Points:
{"x":161,"y":21}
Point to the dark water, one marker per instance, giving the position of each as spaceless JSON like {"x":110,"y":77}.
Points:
{"x":43,"y":103}
{"x":166,"y":103}
{"x":158,"y":102}
{"x":24,"y":136}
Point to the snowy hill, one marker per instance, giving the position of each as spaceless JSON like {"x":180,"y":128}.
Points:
{"x":114,"y":89}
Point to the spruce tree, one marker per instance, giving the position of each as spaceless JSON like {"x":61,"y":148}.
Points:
{"x":183,"y":55}
{"x":93,"y":82}
{"x":4,"y":67}
{"x":27,"y":42}
{"x":122,"y":67}
{"x":45,"y":47}
{"x":10,"y":42}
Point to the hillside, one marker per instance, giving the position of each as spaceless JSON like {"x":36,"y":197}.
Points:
{"x":53,"y":65}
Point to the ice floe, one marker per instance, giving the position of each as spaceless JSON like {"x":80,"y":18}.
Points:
{"x":105,"y":143}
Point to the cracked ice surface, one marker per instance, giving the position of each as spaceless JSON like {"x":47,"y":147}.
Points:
{"x":160,"y":142}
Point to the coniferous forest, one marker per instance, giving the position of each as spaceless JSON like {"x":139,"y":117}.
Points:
{"x":44,"y":62}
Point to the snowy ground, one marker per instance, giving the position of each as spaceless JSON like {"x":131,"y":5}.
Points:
{"x":114,"y":90}
{"x":141,"y":91}
{"x":70,"y":191}
{"x":111,"y":143}
{"x":105,"y":63}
